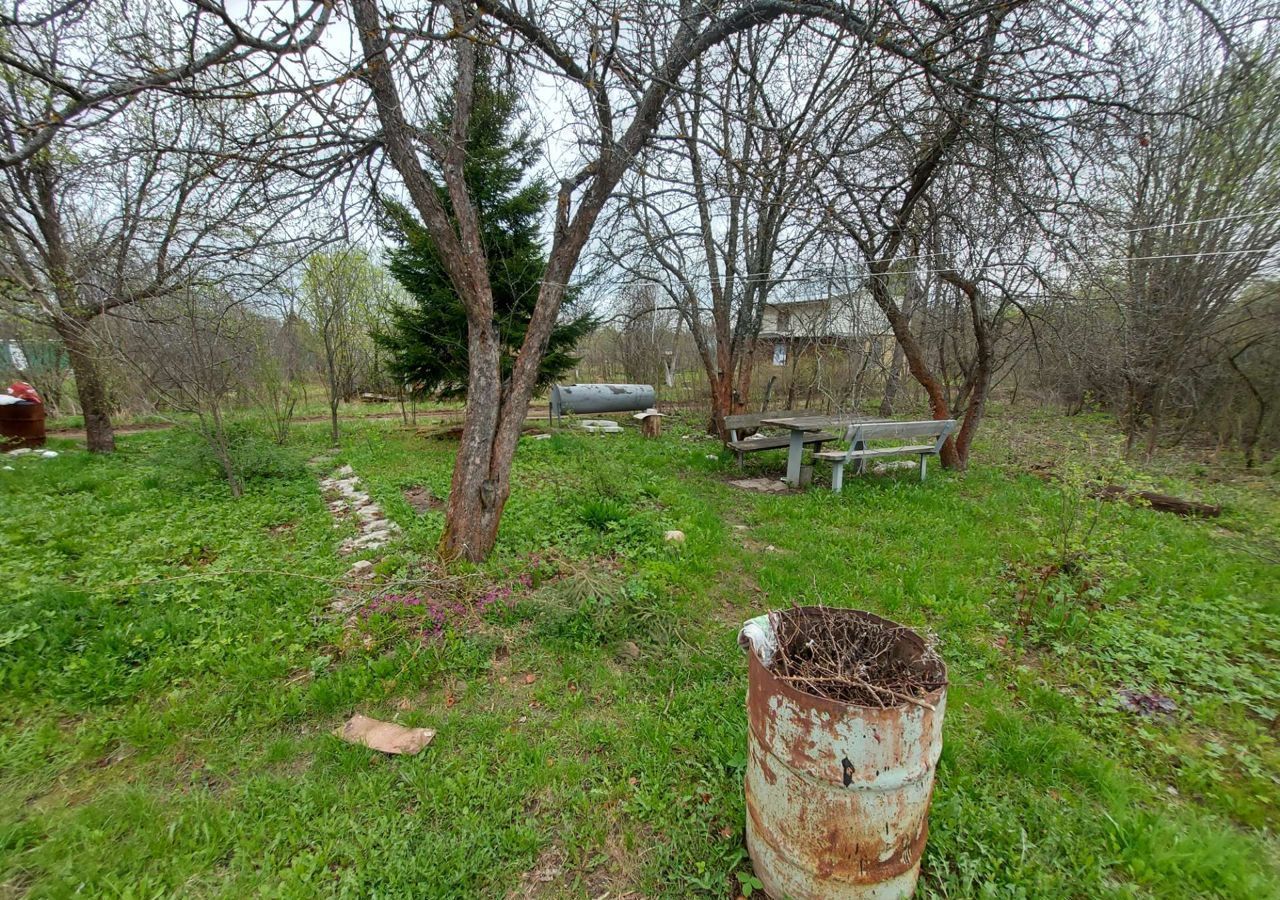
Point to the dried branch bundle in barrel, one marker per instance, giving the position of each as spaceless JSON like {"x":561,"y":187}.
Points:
{"x":842,"y":655}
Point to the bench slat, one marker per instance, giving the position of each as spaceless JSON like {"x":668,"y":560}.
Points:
{"x":752,"y":420}
{"x":777,"y":443}
{"x":879,"y":431}
{"x":882,"y":451}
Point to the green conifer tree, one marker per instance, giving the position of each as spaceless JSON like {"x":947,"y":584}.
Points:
{"x":427,"y":339}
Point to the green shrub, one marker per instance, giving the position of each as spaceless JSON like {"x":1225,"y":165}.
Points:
{"x":255,"y":456}
{"x":601,"y":512}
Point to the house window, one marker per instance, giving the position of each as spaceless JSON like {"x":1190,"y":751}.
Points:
{"x":780,"y":354}
{"x":784,"y":324}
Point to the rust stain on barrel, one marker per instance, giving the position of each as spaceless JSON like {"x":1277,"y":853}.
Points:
{"x":837,"y":795}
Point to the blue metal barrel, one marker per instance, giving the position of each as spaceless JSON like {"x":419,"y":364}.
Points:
{"x":583,"y":399}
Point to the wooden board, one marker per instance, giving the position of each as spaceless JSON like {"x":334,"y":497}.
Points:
{"x":811,"y":423}
{"x":880,"y":431}
{"x":754,"y":420}
{"x":777,"y":443}
{"x":880,"y":451}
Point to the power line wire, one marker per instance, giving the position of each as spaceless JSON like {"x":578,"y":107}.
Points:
{"x":1252,"y":215}
{"x":835,"y":276}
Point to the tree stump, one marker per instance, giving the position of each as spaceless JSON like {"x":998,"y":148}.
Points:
{"x":651,"y":426}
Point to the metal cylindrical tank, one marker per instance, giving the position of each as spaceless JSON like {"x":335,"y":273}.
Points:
{"x":600,"y":398}
{"x":837,"y":794}
{"x":21,"y":425}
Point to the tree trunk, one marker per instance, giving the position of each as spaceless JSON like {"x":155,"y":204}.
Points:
{"x":974,"y":412}
{"x":978,"y":382}
{"x":1135,"y":415}
{"x":1153,"y":425}
{"x":893,"y":383}
{"x":491,"y":432}
{"x":746,"y":367}
{"x":331,"y":382}
{"x":91,"y":389}
{"x":768,"y":389}
{"x":216,"y":435}
{"x":916,"y":364}
{"x":721,"y":402}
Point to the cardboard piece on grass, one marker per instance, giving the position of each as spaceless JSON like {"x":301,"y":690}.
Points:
{"x":647,"y":413}
{"x":385,"y":736}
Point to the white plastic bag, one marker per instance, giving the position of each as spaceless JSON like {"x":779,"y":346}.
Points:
{"x":758,"y":634}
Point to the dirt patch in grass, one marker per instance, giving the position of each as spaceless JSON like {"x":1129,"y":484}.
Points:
{"x":540,"y":881}
{"x":762,"y":485}
{"x":611,"y":869}
{"x":454,"y":432}
{"x":422,"y":500}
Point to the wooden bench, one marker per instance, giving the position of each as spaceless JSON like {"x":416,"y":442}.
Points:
{"x":927,"y":436}
{"x":741,"y":446}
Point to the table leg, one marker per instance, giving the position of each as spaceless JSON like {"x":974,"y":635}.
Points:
{"x":794,"y":457}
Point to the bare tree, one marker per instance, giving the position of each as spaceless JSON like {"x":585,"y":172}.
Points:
{"x":280,"y":365}
{"x":1201,"y":189}
{"x":1251,"y":350}
{"x":710,"y":215}
{"x":194,"y":350}
{"x":918,"y":279}
{"x":648,"y":339}
{"x":91,"y":223}
{"x":1016,"y":110}
{"x":341,"y":292}
{"x":80,"y":64}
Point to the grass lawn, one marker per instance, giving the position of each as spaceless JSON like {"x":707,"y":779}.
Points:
{"x":172,"y":671}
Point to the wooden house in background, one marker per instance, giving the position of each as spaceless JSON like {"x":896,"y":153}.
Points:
{"x":837,"y":325}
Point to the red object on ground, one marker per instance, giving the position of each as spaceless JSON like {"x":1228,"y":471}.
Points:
{"x":24,"y":391}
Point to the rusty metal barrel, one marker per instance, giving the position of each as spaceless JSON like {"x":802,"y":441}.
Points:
{"x":837,"y":794}
{"x":21,"y":425}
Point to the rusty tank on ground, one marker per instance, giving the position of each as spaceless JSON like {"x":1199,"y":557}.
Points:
{"x":21,"y":426}
{"x":837,"y":795}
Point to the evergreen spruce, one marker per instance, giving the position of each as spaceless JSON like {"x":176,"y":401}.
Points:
{"x":427,"y":340}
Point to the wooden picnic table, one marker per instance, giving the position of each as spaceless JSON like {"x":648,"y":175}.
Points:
{"x":802,"y":425}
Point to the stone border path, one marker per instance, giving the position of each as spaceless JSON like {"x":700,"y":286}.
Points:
{"x":373,"y":529}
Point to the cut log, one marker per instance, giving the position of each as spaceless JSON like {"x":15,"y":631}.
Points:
{"x":1161,"y":502}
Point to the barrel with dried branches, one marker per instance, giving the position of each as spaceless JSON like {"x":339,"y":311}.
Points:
{"x":845,"y":712}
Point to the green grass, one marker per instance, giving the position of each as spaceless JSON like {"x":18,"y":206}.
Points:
{"x":172,"y":673}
